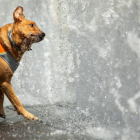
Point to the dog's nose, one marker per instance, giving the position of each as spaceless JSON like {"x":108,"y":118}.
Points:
{"x":43,"y":34}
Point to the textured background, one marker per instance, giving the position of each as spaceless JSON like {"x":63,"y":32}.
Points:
{"x":90,"y":57}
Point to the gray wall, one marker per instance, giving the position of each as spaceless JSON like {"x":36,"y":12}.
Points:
{"x":90,"y":57}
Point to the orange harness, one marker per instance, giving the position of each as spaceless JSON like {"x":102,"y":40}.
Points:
{"x":8,"y":58}
{"x":2,"y":49}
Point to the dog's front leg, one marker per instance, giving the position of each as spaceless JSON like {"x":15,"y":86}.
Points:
{"x":2,"y":113}
{"x":9,"y":92}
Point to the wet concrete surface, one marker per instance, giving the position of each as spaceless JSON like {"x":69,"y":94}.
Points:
{"x":61,"y":123}
{"x":54,"y":125}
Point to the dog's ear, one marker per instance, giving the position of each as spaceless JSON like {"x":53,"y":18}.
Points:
{"x":18,"y":14}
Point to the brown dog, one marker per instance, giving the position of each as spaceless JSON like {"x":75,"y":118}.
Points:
{"x":15,"y":39}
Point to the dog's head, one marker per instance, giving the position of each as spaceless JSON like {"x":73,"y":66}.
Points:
{"x":24,"y":29}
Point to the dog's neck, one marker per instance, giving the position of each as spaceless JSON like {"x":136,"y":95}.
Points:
{"x":19,"y":44}
{"x":11,"y":40}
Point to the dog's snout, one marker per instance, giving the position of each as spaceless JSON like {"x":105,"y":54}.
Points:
{"x":43,"y":34}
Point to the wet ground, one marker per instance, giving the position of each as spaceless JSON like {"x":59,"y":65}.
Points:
{"x":60,"y":123}
{"x":51,"y":127}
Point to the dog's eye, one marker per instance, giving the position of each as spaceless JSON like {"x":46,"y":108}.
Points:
{"x":32,"y":25}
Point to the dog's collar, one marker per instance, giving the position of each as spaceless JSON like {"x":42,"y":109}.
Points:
{"x":11,"y":40}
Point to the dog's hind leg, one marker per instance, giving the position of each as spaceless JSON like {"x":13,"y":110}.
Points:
{"x":2,"y":113}
{"x":9,"y":92}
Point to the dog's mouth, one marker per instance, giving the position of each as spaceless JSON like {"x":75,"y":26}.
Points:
{"x":37,"y":37}
{"x":29,"y":40}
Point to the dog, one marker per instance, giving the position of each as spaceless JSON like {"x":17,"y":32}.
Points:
{"x":15,"y":39}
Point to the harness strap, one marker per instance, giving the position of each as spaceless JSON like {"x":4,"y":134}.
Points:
{"x":8,"y":58}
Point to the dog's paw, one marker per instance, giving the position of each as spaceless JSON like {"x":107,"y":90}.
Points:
{"x":2,"y":114}
{"x":28,"y":115}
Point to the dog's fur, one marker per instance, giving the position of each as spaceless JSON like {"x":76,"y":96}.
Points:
{"x":24,"y":33}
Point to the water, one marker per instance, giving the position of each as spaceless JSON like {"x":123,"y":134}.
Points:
{"x":89,"y":62}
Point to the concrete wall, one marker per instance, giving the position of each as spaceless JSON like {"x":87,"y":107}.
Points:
{"x":90,"y":57}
